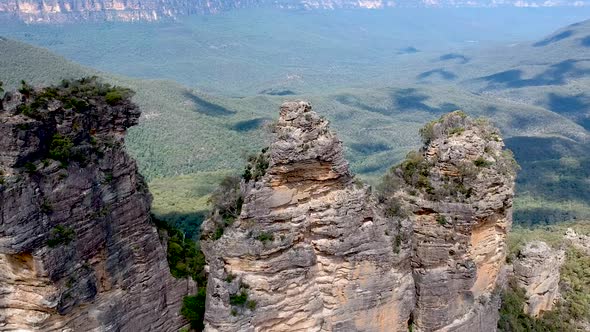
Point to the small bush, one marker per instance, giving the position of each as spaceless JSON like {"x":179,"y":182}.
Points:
{"x":113,"y":97}
{"x":60,"y":235}
{"x":60,"y":148}
{"x":456,"y":131}
{"x":264,"y":237}
{"x":46,"y":207}
{"x":193,"y":309}
{"x":427,"y":132}
{"x":239,"y":299}
{"x":251,"y":304}
{"x":30,"y":167}
{"x":481,"y":162}
{"x":441,"y":220}
{"x":257,"y":166}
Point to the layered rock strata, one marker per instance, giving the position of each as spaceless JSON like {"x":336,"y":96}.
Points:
{"x":536,"y":270}
{"x":459,"y":187}
{"x":310,"y":246}
{"x":313,"y":249}
{"x":78,"y":251}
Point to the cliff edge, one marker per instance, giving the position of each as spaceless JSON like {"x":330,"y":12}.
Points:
{"x":78,"y":251}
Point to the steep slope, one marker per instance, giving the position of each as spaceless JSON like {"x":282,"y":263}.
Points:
{"x":299,"y":244}
{"x":78,"y":250}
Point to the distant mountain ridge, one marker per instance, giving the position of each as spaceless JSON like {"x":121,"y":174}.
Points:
{"x":65,"y":11}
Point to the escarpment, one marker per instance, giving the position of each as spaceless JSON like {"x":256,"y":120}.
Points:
{"x":78,"y":251}
{"x":298,"y":244}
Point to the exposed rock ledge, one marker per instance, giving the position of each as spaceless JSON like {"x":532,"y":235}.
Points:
{"x":536,"y":270}
{"x":579,"y":241}
{"x":313,"y":249}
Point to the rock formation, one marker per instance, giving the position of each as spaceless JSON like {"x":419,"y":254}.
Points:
{"x":536,"y":270}
{"x":309,"y":248}
{"x":459,"y":187}
{"x":578,"y":241}
{"x":78,"y":251}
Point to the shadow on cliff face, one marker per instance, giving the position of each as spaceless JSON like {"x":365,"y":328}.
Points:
{"x":207,"y":108}
{"x":553,"y":39}
{"x":556,"y":74}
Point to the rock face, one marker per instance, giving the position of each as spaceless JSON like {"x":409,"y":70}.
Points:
{"x":536,"y":270}
{"x":78,"y":251}
{"x":460,"y":187}
{"x":312,"y":249}
{"x":579,"y":241}
{"x":309,"y":247}
{"x":64,"y":11}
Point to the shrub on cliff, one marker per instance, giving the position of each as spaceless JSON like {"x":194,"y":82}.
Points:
{"x":193,"y":309}
{"x":60,"y":148}
{"x":73,"y":94}
{"x":185,"y":259}
{"x":60,"y":235}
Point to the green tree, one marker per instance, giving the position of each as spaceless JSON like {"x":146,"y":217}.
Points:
{"x":193,"y":309}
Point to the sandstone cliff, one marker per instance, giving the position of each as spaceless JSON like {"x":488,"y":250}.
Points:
{"x":65,"y":11}
{"x":78,"y":251}
{"x":536,"y":270}
{"x":306,"y":247}
{"x":459,"y":187}
{"x":310,"y":246}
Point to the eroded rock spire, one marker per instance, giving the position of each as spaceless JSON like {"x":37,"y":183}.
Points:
{"x":313,"y":249}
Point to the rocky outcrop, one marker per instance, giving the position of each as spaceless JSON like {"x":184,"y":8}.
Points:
{"x":536,"y":270}
{"x":78,"y":251}
{"x":310,"y":246}
{"x":459,"y":187}
{"x":578,"y":241}
{"x":313,"y":249}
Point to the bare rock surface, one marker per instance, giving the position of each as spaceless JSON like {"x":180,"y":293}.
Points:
{"x":459,"y":187}
{"x":579,"y":241}
{"x":310,"y":246}
{"x":315,"y":250}
{"x":78,"y":251}
{"x":536,"y":270}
